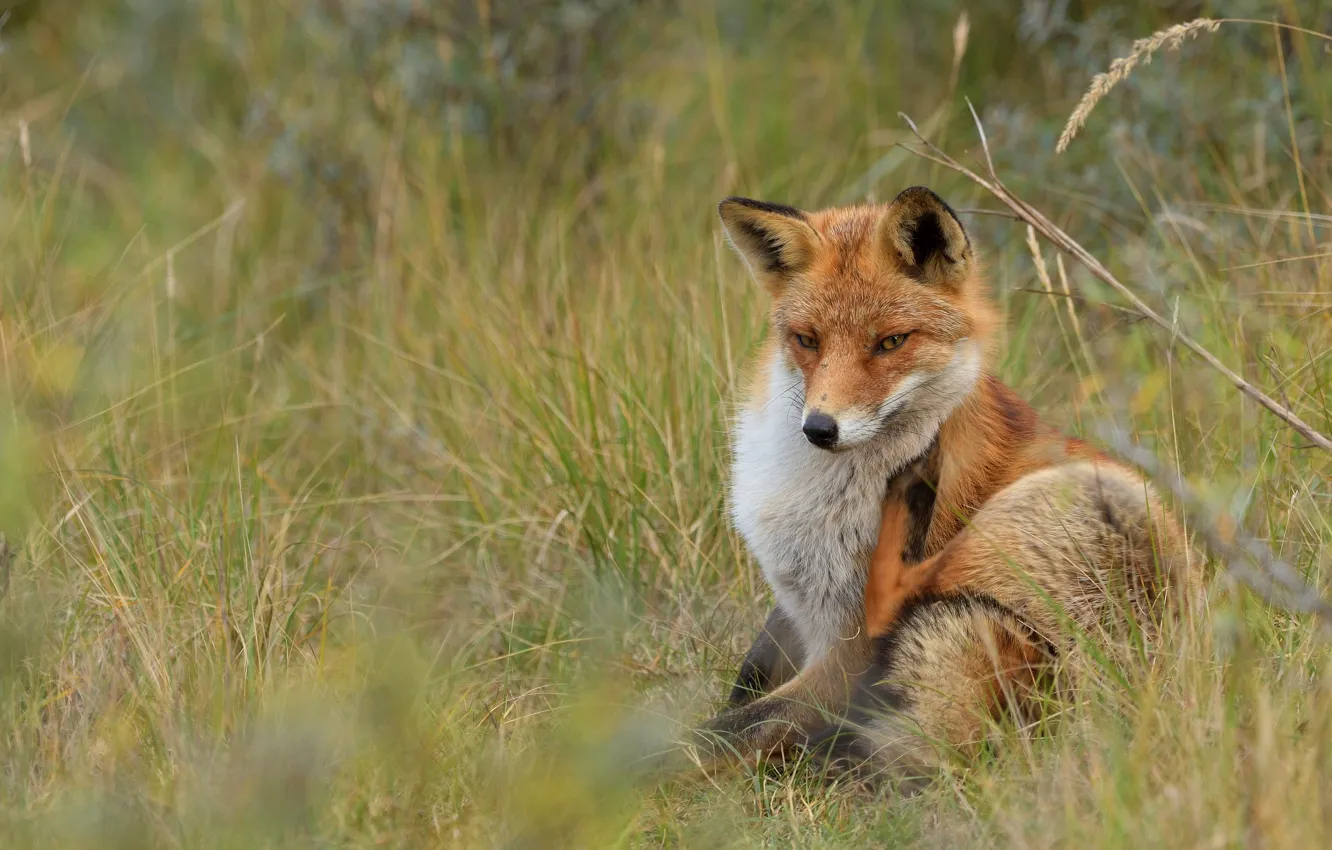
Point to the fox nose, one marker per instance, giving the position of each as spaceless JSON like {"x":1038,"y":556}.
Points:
{"x":821,"y":430}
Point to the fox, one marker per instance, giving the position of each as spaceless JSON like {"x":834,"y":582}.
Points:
{"x":926,"y":536}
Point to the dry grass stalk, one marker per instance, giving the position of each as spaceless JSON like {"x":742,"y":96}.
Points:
{"x":1068,"y":299}
{"x":1167,"y":39}
{"x":960,"y":32}
{"x":1069,"y":245}
{"x":25,"y":145}
{"x":1073,"y":316}
{"x":1043,"y":272}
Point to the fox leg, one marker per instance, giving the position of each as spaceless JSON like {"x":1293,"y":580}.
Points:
{"x":891,"y":582}
{"x":886,"y":584}
{"x":803,"y":701}
{"x":945,"y":669}
{"x":1085,"y":543}
{"x":790,"y":713}
{"x":803,"y":704}
{"x":776,"y":656}
{"x":902,"y":530}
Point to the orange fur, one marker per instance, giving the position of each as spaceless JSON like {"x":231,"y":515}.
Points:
{"x":880,"y":313}
{"x":992,"y":441}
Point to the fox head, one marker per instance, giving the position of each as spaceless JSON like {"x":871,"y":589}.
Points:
{"x":878,"y":310}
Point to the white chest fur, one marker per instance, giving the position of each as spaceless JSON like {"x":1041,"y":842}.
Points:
{"x":811,"y":517}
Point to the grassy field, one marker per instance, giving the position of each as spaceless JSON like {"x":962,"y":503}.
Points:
{"x":366,"y":369}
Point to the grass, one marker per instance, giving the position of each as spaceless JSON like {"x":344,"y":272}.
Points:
{"x":366,"y":460}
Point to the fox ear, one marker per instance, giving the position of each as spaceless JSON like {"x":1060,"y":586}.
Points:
{"x":775,"y":241}
{"x":923,"y":234}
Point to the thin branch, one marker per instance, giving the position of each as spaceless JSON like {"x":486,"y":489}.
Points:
{"x":998,"y":213}
{"x":985,"y":143}
{"x":1068,"y":245}
{"x":1073,"y":296}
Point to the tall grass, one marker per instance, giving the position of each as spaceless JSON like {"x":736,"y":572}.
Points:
{"x":365,"y":408}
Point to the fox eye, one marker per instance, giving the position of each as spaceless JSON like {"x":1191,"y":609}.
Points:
{"x":807,"y":342}
{"x":892,"y":341}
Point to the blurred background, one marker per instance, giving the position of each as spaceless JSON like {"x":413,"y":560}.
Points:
{"x":365,"y":370}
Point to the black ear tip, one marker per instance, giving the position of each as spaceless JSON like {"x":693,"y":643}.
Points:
{"x":761,"y":206}
{"x":920,"y":193}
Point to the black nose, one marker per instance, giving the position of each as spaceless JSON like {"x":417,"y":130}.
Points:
{"x":821,"y":430}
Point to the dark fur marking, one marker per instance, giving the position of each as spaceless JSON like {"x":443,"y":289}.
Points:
{"x":769,"y":246}
{"x":920,"y":508}
{"x":764,"y":206}
{"x":842,"y":750}
{"x":953,"y":215}
{"x":772,"y":656}
{"x":925,"y":234}
{"x":733,"y":721}
{"x":1108,"y":516}
{"x":1018,"y":416}
{"x":941,"y":202}
{"x":840,"y":745}
{"x":926,"y":239}
{"x":752,"y":682}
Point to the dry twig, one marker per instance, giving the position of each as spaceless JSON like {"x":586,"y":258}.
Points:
{"x":1068,"y":245}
